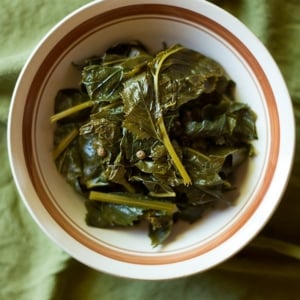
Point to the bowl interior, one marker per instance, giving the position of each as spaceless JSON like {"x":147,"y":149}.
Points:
{"x":153,"y":31}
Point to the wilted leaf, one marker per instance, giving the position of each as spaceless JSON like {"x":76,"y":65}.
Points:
{"x":156,"y":138}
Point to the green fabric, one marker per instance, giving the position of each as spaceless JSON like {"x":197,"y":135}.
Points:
{"x":33,"y":267}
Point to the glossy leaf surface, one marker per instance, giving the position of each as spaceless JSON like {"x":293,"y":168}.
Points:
{"x":151,"y":138}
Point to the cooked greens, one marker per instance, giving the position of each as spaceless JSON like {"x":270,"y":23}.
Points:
{"x":151,"y":138}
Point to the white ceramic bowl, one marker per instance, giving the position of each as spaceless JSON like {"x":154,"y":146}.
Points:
{"x":60,"y":212}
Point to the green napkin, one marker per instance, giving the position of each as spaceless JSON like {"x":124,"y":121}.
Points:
{"x":33,"y":267}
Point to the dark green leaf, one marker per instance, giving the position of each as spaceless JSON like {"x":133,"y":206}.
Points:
{"x":204,"y":170}
{"x":225,"y":122}
{"x":92,"y":165}
{"x":68,"y":98}
{"x":70,"y":165}
{"x":155,"y":187}
{"x":106,"y":215}
{"x":103,"y":83}
{"x":160,"y":225}
{"x":183,"y":75}
{"x":139,"y":107}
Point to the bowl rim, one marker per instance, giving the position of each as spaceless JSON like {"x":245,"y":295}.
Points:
{"x":259,"y":211}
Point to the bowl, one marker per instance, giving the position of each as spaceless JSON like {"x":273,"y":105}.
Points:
{"x":60,"y":212}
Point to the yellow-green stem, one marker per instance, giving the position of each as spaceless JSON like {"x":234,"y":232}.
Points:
{"x":176,"y":160}
{"x":164,"y":134}
{"x":71,"y":110}
{"x":129,"y":188}
{"x":66,"y":141}
{"x":162,"y":195}
{"x":132,"y":201}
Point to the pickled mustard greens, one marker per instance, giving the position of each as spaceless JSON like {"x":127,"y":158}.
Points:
{"x":152,"y":138}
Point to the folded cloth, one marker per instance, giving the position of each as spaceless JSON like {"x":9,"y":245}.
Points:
{"x":33,"y":267}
